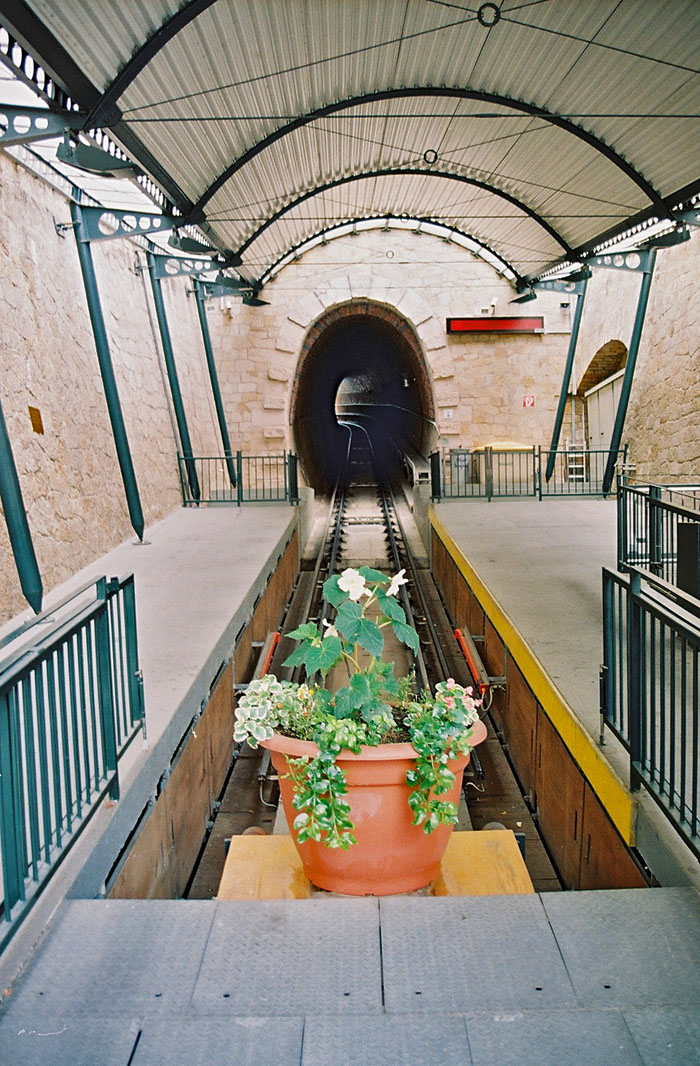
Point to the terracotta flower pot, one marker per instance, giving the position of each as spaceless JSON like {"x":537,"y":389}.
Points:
{"x":391,"y":854}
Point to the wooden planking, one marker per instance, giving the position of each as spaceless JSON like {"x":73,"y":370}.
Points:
{"x":488,"y":863}
{"x":559,"y":801}
{"x":475,"y":864}
{"x":218,"y":716}
{"x":263,"y":867}
{"x":604,"y":864}
{"x":147,"y":870}
{"x":520,"y":727}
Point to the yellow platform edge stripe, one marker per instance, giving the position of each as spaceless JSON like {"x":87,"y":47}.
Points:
{"x":608,"y":787}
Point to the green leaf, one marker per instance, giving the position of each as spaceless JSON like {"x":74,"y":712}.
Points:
{"x":330,"y":652}
{"x":332,"y":593}
{"x":306,"y":632}
{"x":369,"y":574}
{"x":348,"y":620}
{"x":407,"y":635}
{"x":390,"y":607}
{"x":370,"y":637}
{"x":297,"y":657}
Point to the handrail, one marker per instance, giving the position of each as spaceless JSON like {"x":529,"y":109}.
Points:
{"x":71,"y":701}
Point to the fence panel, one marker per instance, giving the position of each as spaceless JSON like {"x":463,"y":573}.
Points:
{"x":577,"y":471}
{"x":650,"y":520}
{"x":652,"y":694}
{"x":70,"y":702}
{"x":240,"y":479}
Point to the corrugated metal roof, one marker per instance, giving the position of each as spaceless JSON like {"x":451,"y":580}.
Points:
{"x":582,"y":118}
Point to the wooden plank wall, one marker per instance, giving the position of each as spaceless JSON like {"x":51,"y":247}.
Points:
{"x":582,"y":840}
{"x":164,"y":850}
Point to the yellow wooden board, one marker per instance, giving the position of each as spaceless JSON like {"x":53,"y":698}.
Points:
{"x":485,"y":863}
{"x":263,"y":867}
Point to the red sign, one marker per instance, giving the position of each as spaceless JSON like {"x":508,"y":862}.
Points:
{"x":528,"y":401}
{"x":491,"y":324}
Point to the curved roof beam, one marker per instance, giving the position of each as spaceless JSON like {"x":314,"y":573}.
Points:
{"x":385,"y":172}
{"x":428,"y":91}
{"x":105,"y":112}
{"x":265,"y":276}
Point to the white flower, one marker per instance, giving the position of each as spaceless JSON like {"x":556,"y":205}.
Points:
{"x":331,"y":631}
{"x":353,"y":583}
{"x":396,"y":582}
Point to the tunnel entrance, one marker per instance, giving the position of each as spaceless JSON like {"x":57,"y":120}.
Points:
{"x":360,"y":362}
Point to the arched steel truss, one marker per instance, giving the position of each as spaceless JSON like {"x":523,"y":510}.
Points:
{"x":382,"y":219}
{"x":387,"y":171}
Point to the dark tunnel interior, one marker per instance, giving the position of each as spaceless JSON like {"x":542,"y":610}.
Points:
{"x":363,"y":368}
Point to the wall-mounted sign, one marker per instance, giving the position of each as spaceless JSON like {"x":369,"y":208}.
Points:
{"x":492,"y":324}
{"x":528,"y":401}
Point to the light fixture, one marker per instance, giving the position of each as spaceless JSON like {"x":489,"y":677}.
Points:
{"x":582,"y":274}
{"x":235,"y":284}
{"x":191,"y":245}
{"x":94,"y":160}
{"x":667,"y":240}
{"x":251,"y":299}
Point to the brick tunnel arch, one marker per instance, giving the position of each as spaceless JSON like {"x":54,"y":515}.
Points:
{"x":374,"y":353}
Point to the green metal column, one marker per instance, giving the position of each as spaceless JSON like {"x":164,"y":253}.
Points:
{"x":17,"y":525}
{"x":175,"y":392}
{"x":629,"y":371}
{"x":104,"y":358}
{"x":556,"y":432}
{"x":214,"y":378}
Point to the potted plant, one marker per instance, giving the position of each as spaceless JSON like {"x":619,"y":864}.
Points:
{"x":370,"y":773}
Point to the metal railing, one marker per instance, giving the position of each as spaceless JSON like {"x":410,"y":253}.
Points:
{"x":653,"y":521}
{"x":577,"y":471}
{"x":492,"y":473}
{"x":650,"y":691}
{"x":239,"y":479}
{"x":71,"y":700}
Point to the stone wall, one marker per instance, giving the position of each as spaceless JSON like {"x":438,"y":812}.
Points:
{"x":69,"y":474}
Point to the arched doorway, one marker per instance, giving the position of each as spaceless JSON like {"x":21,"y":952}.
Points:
{"x":359,"y":359}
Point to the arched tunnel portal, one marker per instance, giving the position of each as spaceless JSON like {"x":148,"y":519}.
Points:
{"x":364,"y":360}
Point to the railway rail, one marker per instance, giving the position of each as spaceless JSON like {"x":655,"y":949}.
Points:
{"x":367,"y":522}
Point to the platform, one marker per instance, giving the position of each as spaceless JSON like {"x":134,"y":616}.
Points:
{"x":539,"y":566}
{"x":605,"y":978}
{"x":197,"y":575}
{"x":487,"y":863}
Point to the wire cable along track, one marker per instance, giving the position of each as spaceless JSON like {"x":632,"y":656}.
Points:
{"x":368,"y":522}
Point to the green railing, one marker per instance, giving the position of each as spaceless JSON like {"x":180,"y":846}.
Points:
{"x":71,"y":700}
{"x":650,"y":690}
{"x":495,"y":473}
{"x":658,"y":530}
{"x":239,"y":479}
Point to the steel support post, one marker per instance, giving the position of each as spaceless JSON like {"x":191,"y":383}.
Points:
{"x":17,"y":524}
{"x":104,"y":359}
{"x":635,"y":657}
{"x":568,"y":369}
{"x":629,"y":372}
{"x":173,"y":379}
{"x":214,"y":378}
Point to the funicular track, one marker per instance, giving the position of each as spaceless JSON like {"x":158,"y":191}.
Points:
{"x":368,"y":522}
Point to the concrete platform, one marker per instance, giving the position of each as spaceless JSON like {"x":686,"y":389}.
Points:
{"x":197,"y":576}
{"x":540,"y":564}
{"x":605,"y":978}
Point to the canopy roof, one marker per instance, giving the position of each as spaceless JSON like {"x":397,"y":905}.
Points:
{"x":539,"y":128}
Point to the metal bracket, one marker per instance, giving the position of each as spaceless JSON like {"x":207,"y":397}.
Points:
{"x":22,"y":125}
{"x":171,"y":266}
{"x":103,"y":224}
